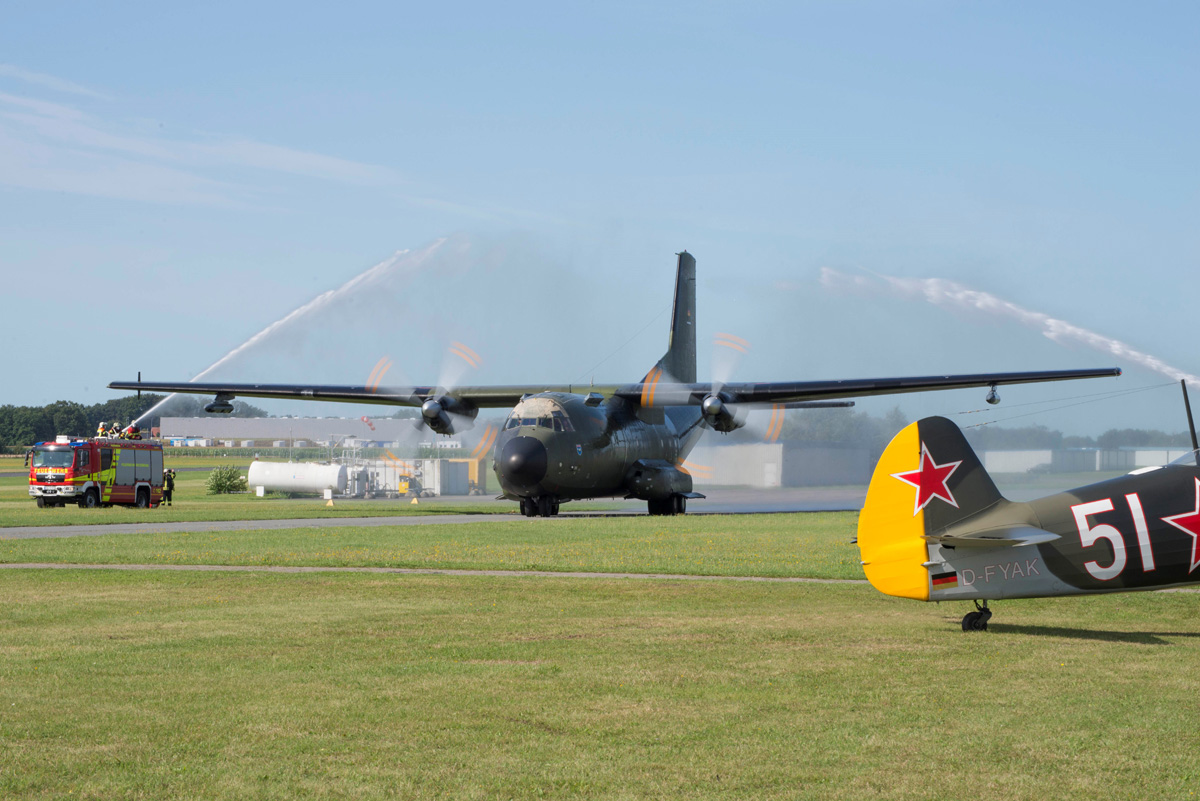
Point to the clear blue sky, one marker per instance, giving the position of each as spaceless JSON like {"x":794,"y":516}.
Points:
{"x":224,"y":164}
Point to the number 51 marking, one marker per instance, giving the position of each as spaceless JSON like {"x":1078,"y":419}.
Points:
{"x":1089,"y":535}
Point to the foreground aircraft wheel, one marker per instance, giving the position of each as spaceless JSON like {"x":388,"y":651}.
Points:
{"x":977,"y":620}
{"x":527,"y":508}
{"x":680,"y":504}
{"x":546,"y":507}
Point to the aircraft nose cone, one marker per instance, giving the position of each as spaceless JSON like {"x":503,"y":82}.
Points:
{"x":523,"y":462}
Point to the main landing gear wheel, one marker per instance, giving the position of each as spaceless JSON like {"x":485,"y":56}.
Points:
{"x":977,"y":620}
{"x":675,"y":505}
{"x":664,"y":506}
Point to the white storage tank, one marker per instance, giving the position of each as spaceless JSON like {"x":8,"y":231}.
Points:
{"x":298,"y":477}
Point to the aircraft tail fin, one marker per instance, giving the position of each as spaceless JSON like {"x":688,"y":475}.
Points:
{"x":927,"y":480}
{"x":679,"y":362}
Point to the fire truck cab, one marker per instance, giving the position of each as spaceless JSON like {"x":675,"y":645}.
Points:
{"x":97,"y":472}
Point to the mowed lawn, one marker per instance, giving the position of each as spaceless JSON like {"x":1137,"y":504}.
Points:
{"x":192,"y":502}
{"x":249,"y":685}
{"x":815,"y":544}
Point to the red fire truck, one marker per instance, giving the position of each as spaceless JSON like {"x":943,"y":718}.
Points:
{"x":97,"y":472}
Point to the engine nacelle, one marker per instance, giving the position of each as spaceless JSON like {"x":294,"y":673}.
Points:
{"x":720,"y":415}
{"x":447,"y":415}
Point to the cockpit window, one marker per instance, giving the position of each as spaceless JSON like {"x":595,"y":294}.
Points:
{"x":544,"y":422}
{"x":513,"y":422}
{"x":529,"y":421}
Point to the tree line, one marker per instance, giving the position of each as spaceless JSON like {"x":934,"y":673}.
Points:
{"x":21,"y":426}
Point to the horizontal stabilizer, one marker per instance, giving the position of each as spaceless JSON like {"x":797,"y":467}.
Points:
{"x":1006,"y":537}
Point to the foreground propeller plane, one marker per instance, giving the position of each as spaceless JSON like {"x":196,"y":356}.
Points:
{"x":561,"y":444}
{"x":935,"y":528}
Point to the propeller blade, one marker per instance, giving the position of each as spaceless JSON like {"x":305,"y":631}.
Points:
{"x":459,"y":360}
{"x":728,"y":350}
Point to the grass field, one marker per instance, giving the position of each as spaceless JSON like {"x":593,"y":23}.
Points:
{"x":193,"y":503}
{"x":717,"y":545}
{"x":156,"y":684}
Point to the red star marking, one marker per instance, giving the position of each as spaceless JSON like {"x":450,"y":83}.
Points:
{"x":1190,"y":523}
{"x":930,"y":480}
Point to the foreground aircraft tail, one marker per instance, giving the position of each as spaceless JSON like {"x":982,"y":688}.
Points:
{"x":927,"y":483}
{"x":678,"y":364}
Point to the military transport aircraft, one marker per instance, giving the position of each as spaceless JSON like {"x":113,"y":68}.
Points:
{"x":564,"y":443}
{"x":935,"y":528}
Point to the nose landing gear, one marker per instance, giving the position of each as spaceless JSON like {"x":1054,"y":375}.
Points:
{"x":541,"y":506}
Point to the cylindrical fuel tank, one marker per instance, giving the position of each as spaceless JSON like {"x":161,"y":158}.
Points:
{"x":297,"y":477}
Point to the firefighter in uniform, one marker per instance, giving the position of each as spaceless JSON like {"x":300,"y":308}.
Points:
{"x":101,"y":430}
{"x":168,"y":486}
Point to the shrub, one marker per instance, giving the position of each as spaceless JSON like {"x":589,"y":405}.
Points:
{"x":225,"y":479}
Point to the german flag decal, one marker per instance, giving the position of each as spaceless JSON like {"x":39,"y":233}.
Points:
{"x":944,"y":581}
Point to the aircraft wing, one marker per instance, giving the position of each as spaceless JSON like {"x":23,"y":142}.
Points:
{"x":793,"y":394}
{"x":662,"y":393}
{"x":479,"y":397}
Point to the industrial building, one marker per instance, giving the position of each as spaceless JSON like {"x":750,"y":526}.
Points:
{"x":761,"y":465}
{"x":249,"y":432}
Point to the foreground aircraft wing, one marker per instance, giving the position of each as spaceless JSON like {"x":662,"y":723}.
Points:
{"x":495,"y":397}
{"x":657,"y":392}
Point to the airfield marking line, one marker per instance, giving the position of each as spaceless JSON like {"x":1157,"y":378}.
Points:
{"x":421,"y":571}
